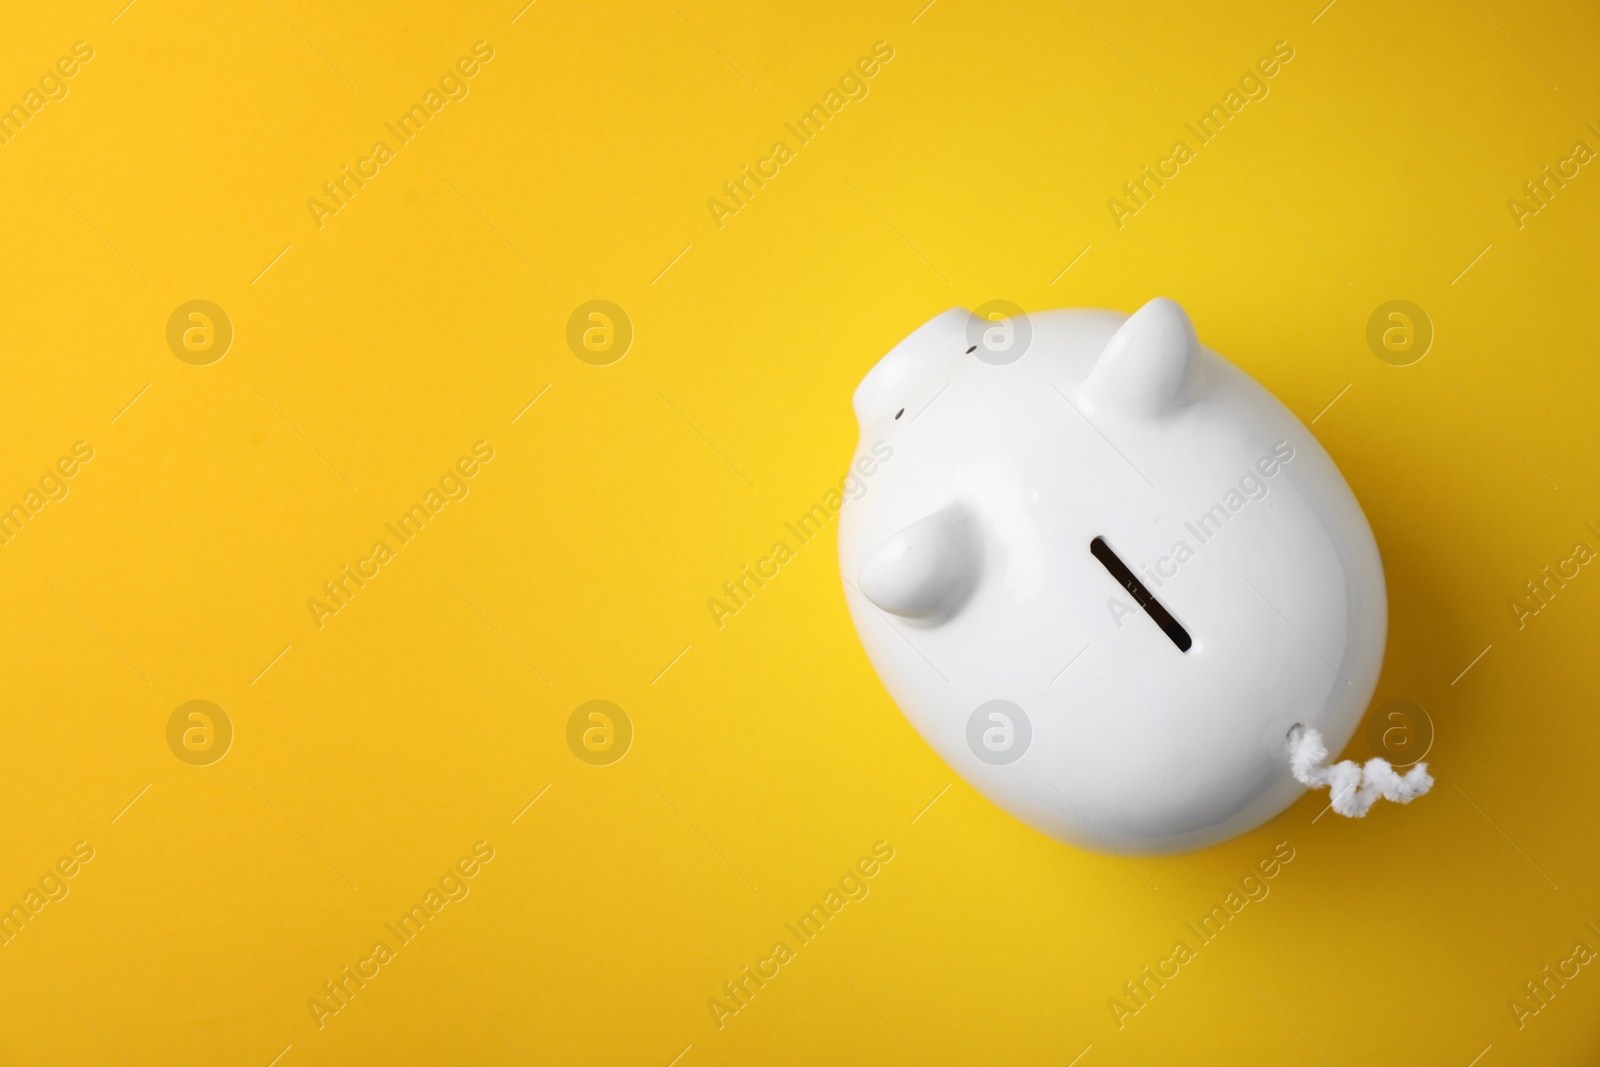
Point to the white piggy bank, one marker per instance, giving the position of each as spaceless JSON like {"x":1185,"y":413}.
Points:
{"x":1105,"y":572}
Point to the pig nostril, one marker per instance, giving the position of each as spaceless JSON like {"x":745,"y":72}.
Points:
{"x":1152,"y":607}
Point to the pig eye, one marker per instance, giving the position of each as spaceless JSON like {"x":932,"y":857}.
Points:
{"x":971,"y":350}
{"x":1145,"y":599}
{"x":897,"y":414}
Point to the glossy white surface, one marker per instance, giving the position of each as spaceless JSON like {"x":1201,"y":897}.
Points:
{"x":1015,"y":652}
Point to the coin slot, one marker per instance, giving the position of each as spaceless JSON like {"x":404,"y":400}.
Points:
{"x":1142,"y":596}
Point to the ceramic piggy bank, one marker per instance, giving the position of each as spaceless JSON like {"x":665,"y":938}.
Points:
{"x":1105,"y":573}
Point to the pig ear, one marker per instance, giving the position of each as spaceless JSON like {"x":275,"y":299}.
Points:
{"x":926,"y":569}
{"x":912,"y":365}
{"x":1150,"y":365}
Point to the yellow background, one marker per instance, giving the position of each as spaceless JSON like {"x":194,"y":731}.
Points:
{"x":419,"y":320}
